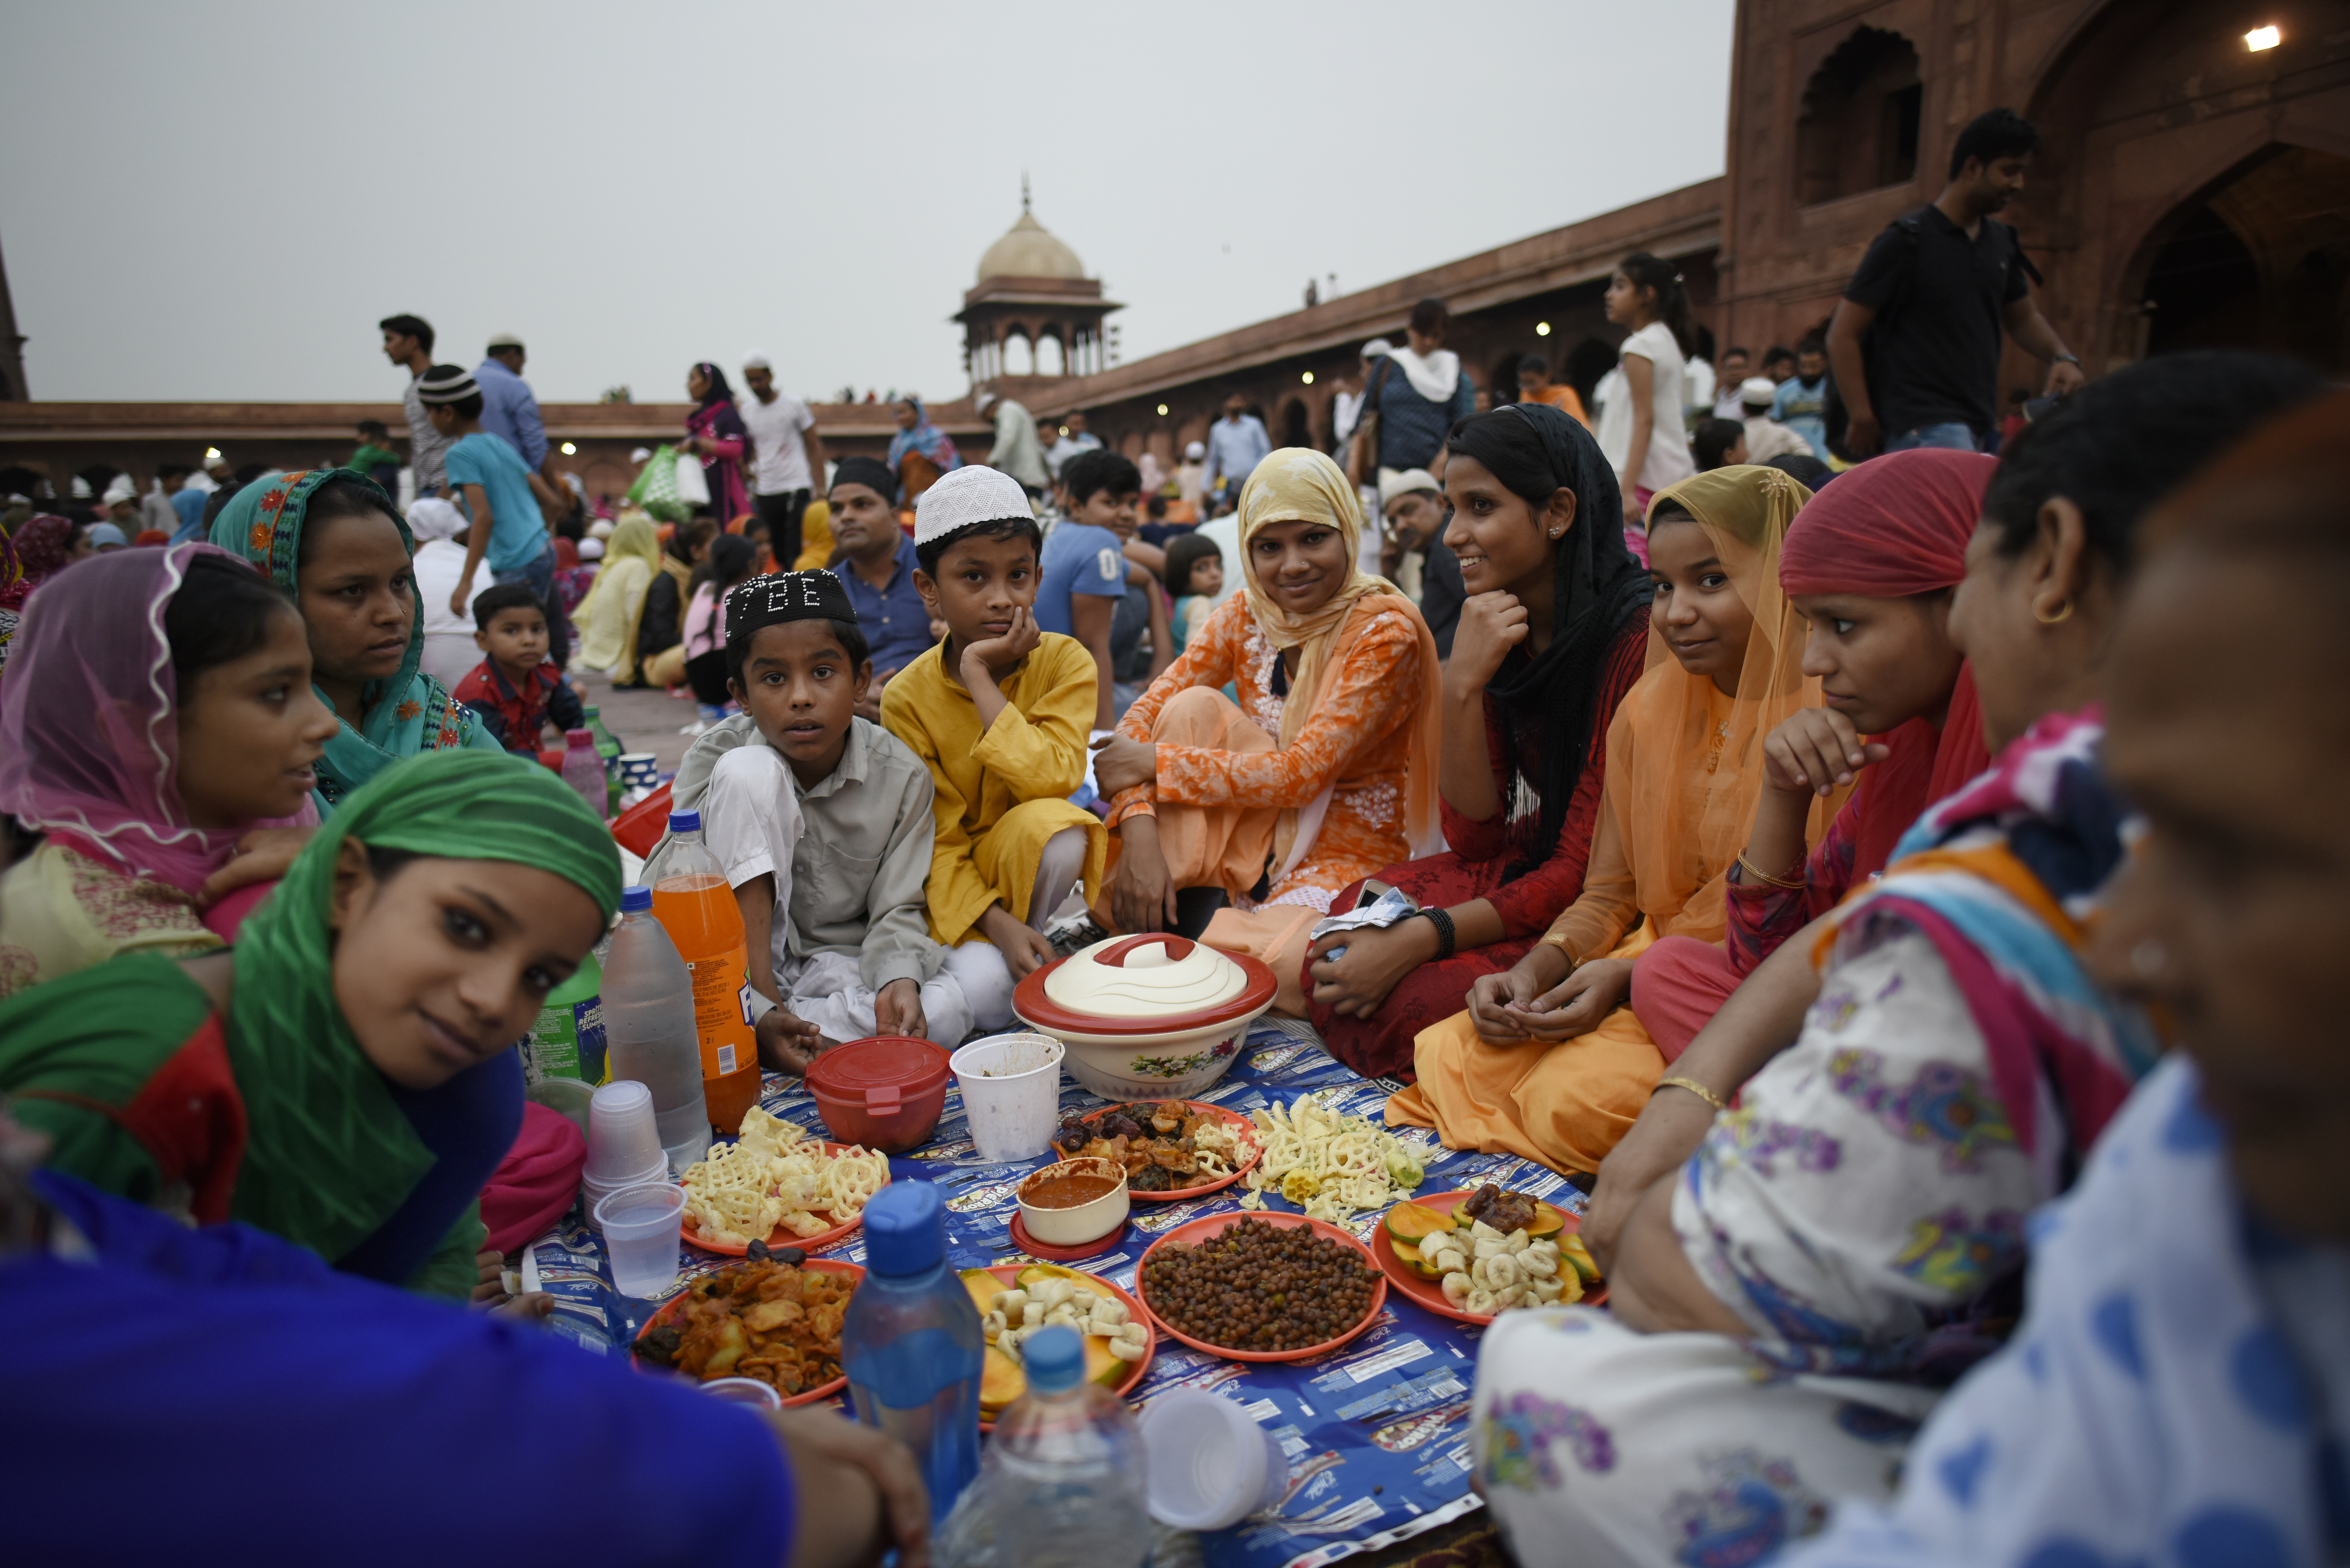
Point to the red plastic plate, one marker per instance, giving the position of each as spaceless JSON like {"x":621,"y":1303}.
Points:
{"x":823,"y":1391}
{"x":1429,"y":1294}
{"x":1255,"y":1143}
{"x":779,"y":1236}
{"x":1193,"y":1231}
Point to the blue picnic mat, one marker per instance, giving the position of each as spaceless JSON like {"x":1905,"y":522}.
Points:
{"x":1376,"y":1431}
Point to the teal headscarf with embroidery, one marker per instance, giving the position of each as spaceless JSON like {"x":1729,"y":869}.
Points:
{"x":407,"y":714}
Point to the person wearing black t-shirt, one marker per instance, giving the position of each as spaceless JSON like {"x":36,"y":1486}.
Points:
{"x":1915,"y":342}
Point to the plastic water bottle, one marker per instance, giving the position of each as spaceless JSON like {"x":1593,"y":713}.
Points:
{"x":1064,"y":1482}
{"x":583,"y":769}
{"x":912,"y":1343}
{"x":695,"y":904}
{"x":648,"y":1027}
{"x":607,"y":746}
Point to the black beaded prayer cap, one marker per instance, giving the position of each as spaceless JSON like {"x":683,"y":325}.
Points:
{"x":786,"y":596}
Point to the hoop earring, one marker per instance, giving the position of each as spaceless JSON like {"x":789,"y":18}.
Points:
{"x":2061,"y":616}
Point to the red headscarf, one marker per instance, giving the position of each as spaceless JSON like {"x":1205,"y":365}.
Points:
{"x":1894,"y":526}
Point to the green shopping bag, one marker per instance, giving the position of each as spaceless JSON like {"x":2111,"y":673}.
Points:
{"x":656,"y":486}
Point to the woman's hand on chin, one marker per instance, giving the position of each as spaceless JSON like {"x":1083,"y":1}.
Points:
{"x":262,"y":856}
{"x":1816,"y":750}
{"x":1490,"y":624}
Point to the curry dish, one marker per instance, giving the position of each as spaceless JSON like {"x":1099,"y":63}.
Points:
{"x":772,"y":1321}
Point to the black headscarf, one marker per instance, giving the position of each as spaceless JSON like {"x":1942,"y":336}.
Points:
{"x":715,"y":390}
{"x":1599,"y":585}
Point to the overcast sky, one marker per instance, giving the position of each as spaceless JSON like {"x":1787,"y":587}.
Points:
{"x":218,"y":202}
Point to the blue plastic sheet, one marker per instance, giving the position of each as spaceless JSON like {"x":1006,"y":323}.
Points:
{"x":1376,"y":1431}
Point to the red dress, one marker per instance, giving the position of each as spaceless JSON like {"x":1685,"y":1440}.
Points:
{"x":1381,"y":1047}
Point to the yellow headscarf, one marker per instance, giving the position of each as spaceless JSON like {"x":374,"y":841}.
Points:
{"x":1299,"y":484}
{"x":633,"y":540}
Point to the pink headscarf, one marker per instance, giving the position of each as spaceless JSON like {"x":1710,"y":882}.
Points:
{"x":1894,"y":526}
{"x":90,"y":720}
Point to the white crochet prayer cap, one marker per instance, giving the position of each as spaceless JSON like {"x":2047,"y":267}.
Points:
{"x":969,"y":495}
{"x":430,"y":518}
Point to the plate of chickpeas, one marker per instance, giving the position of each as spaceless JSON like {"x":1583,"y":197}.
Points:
{"x":1261,"y":1287}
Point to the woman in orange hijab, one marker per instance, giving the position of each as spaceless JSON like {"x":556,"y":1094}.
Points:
{"x":1871,"y":564}
{"x":1548,"y":1062}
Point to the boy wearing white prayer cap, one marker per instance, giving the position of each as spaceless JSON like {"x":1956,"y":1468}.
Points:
{"x":1000,"y":713}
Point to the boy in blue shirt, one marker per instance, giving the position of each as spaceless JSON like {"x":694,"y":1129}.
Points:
{"x":1083,"y":572}
{"x":487,"y":478}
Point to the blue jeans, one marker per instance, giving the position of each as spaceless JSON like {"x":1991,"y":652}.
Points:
{"x":539,"y":575}
{"x":1950,"y":436}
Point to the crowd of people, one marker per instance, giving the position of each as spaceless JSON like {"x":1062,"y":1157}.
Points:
{"x":1878,"y":876}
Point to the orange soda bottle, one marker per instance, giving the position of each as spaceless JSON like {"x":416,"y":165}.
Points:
{"x":697,"y":908}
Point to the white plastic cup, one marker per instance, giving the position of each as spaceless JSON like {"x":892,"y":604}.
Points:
{"x":640,"y":767}
{"x":641,"y":1226}
{"x":744,"y":1391}
{"x":1210,"y":1465}
{"x":1011,"y":1093}
{"x":622,"y":1140}
{"x":594,"y":1191}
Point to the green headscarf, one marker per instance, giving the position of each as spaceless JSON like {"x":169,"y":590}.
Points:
{"x":408,"y":713}
{"x":330,"y":1155}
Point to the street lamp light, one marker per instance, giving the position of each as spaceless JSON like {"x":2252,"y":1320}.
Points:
{"x":569,"y":450}
{"x":1307,"y":377}
{"x":2261,"y":38}
{"x":1541,"y":328}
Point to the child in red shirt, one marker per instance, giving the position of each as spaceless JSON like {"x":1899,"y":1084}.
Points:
{"x":513,"y":691}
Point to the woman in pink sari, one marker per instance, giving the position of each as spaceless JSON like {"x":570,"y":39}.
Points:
{"x":158,"y":742}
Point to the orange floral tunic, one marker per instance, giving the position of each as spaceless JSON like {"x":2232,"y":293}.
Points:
{"x":1354,"y":743}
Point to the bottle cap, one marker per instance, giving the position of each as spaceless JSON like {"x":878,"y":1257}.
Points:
{"x":1054,"y":1358}
{"x":636,"y":900}
{"x":685,"y":822}
{"x":591,"y":712}
{"x":578,"y":737}
{"x":905,"y":1229}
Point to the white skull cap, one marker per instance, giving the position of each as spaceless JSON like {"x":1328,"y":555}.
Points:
{"x":967,"y":495}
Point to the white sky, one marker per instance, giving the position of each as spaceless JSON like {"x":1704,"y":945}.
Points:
{"x":219,"y":201}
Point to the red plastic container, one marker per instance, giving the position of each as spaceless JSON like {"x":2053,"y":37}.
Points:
{"x":884,"y":1093}
{"x":639,"y":827}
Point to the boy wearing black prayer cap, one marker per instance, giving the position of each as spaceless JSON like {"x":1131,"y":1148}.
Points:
{"x":821,"y":823}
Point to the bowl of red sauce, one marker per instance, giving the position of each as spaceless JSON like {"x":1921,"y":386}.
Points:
{"x":1075,"y":1201}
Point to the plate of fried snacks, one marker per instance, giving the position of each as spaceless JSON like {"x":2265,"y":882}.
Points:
{"x":1328,"y":1164}
{"x":775,"y":1318}
{"x":1016,"y":1299}
{"x":775,"y":1184}
{"x":1171,"y":1148}
{"x":1261,"y":1287}
{"x":1473,"y":1256}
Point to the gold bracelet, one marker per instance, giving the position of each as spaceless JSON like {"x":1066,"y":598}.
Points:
{"x":1795,"y":886}
{"x":1694,"y":1088}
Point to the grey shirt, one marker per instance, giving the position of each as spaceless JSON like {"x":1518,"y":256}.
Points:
{"x":863,"y":855}
{"x":427,"y":448}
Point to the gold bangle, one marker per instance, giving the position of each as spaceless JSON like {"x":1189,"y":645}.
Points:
{"x":1694,"y":1088}
{"x":1795,"y":886}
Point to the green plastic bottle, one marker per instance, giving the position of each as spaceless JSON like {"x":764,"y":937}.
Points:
{"x":568,"y":1040}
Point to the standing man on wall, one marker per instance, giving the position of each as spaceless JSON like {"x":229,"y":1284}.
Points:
{"x":787,"y":459}
{"x":1236,"y":444}
{"x":510,"y":413}
{"x":408,"y":343}
{"x":1015,"y":452}
{"x":1915,"y":342}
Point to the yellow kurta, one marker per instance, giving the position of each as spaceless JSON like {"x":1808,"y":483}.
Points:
{"x":62,"y":913}
{"x":1004,"y":791}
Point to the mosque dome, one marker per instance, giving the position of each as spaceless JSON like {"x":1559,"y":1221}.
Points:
{"x":1027,"y":250}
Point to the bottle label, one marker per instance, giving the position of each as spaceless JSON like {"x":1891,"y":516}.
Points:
{"x":720,"y":1019}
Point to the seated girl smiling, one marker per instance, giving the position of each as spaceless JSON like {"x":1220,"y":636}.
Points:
{"x":345,"y":1077}
{"x":1548,"y":1062}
